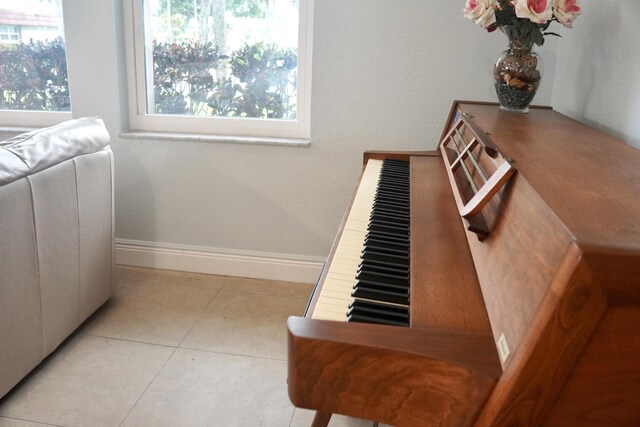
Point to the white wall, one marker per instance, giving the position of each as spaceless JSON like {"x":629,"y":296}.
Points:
{"x":597,"y":79}
{"x":384,"y":77}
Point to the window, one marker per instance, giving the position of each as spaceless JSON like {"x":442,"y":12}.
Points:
{"x":222,"y":67}
{"x":9,"y":34}
{"x":34,"y":89}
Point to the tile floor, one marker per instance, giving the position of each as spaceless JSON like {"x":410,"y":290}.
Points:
{"x":172,"y":349}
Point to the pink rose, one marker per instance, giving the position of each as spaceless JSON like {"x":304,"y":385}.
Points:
{"x":538,"y":11}
{"x":482,"y":12}
{"x":566,"y":11}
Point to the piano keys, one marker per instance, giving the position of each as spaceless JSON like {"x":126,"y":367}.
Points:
{"x":524,"y":284}
{"x":369,"y":278}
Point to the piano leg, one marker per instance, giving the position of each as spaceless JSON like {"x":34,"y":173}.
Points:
{"x":321,"y":419}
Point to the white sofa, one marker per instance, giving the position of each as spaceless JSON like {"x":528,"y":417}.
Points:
{"x":56,"y":239}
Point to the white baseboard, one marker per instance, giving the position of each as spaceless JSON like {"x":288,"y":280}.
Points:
{"x":198,"y":259}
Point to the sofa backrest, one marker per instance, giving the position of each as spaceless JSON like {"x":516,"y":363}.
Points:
{"x":40,"y":149}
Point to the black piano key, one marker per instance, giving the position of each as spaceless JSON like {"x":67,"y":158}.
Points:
{"x":388,"y":228}
{"x":383,"y":209}
{"x":383,"y":268}
{"x":389,"y":214}
{"x":392,"y":195}
{"x":400,"y":219}
{"x":378,"y":313}
{"x":385,"y":278}
{"x":391,"y":238}
{"x":381,"y":293}
{"x":377,"y":282}
{"x":395,"y":192}
{"x":393,"y":264}
{"x":376,"y":238}
{"x":391,"y":174}
{"x":400,"y":227}
{"x":383,"y":257}
{"x":367,"y":318}
{"x":394,"y":174}
{"x":386,"y":250}
{"x":382,"y":221}
{"x":387,"y":237}
{"x":383,"y":249}
{"x":398,"y":311}
{"x":390,"y":182}
{"x":392,"y":204}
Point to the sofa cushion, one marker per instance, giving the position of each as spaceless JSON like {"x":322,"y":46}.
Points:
{"x":40,"y":149}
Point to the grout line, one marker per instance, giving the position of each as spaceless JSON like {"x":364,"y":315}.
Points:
{"x":29,"y":421}
{"x":199,"y":317}
{"x":128,"y":340}
{"x":148,"y":385}
{"x":234,"y":354}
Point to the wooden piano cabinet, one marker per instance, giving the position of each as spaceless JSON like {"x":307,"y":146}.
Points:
{"x":604,"y":387}
{"x":534,"y":322}
{"x":560,"y":273}
{"x":400,"y":376}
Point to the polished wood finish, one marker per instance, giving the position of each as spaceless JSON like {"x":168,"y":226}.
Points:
{"x":442,"y":269}
{"x":397,"y":155}
{"x":572,"y":207}
{"x":399,"y":376}
{"x":537,"y":324}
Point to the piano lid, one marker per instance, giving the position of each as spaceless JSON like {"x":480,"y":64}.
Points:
{"x":590,"y":180}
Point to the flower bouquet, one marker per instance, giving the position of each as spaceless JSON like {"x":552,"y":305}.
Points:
{"x":525,"y":22}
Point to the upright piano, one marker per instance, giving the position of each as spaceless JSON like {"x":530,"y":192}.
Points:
{"x":492,"y":282}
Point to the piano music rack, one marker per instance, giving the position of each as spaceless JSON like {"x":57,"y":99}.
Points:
{"x":476,"y":170}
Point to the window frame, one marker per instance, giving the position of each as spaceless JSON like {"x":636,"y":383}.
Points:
{"x":5,"y":31}
{"x":33,"y":119}
{"x":140,"y":120}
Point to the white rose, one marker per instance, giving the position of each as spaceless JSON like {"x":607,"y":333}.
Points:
{"x":538,"y":11}
{"x":482,"y":12}
{"x":566,"y":11}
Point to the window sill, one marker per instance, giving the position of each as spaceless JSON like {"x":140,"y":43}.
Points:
{"x":251,"y":140}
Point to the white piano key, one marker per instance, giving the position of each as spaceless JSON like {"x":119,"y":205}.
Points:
{"x":335,"y":294}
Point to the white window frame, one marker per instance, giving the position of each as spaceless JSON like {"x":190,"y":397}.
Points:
{"x":32,"y":119}
{"x":5,"y":30}
{"x":139,"y":120}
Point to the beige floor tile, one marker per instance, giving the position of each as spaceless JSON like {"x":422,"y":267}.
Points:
{"x":89,"y":381}
{"x":10,"y":422}
{"x":268,"y":287}
{"x":168,"y":277}
{"x":303,"y":418}
{"x":150,"y":312}
{"x":245,"y":324}
{"x":198,"y":388}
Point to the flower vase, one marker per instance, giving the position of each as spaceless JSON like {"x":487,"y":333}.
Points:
{"x":517,"y":73}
